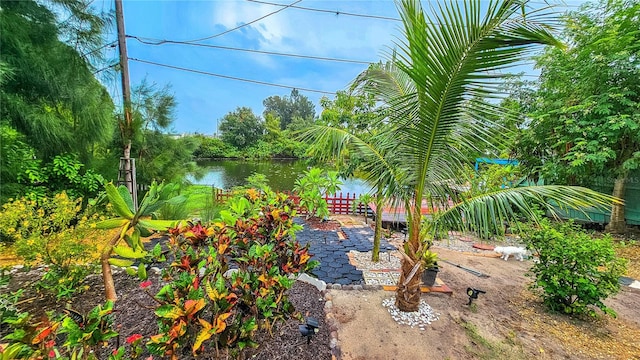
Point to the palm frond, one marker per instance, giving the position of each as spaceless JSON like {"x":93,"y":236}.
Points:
{"x":487,"y":212}
{"x":449,"y":56}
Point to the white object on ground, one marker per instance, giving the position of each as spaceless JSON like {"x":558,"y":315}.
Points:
{"x":319,"y":284}
{"x":421,"y":318}
{"x":506,"y":251}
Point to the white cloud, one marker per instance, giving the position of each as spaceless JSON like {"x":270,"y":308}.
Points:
{"x":310,"y":33}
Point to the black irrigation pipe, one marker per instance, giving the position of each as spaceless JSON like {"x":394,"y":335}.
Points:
{"x":474,"y":272}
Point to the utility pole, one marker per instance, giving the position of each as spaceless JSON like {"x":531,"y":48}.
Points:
{"x":127,"y":169}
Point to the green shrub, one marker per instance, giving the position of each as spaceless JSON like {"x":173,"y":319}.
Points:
{"x":51,"y":231}
{"x":575,"y":271}
{"x":205,"y":304}
{"x":312,"y":186}
{"x":175,"y":204}
{"x":27,"y":218}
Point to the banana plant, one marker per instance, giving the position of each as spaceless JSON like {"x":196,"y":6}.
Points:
{"x":132,"y":224}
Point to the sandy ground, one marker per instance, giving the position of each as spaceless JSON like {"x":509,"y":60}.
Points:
{"x":507,"y":322}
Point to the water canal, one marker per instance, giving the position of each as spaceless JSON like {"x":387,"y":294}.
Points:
{"x":281,"y":174}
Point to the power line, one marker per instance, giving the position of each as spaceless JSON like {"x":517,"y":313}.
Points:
{"x":282,"y":7}
{"x":100,"y":48}
{"x":232,"y":77}
{"x":235,"y":28}
{"x":554,"y":5}
{"x":251,"y":50}
{"x":335,"y":12}
{"x":104,"y":68}
{"x":368,"y":16}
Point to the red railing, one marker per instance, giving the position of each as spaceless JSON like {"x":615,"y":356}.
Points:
{"x":338,"y":204}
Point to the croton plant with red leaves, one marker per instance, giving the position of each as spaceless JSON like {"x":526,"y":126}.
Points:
{"x":230,"y":277}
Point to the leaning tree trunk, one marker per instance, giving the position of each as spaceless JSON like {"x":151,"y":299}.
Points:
{"x":107,"y":276}
{"x":617,"y":223}
{"x":408,"y":292}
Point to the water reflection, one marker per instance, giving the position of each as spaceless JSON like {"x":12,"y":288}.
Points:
{"x":281,"y":174}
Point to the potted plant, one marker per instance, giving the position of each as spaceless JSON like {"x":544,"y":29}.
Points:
{"x":430,"y":267}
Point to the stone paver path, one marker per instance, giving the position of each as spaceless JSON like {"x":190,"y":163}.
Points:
{"x":331,"y":252}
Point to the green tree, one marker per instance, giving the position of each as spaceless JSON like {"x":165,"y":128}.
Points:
{"x":153,"y":106}
{"x":159,"y":155}
{"x":211,"y":147}
{"x":51,"y":95}
{"x":241,"y":128}
{"x":431,"y":125}
{"x":163,"y":158}
{"x":287,"y":108}
{"x":348,"y":111}
{"x":586,"y":119}
{"x":273,"y":131}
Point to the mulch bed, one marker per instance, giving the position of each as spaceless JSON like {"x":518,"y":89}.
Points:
{"x":319,"y":224}
{"x":134,"y":314}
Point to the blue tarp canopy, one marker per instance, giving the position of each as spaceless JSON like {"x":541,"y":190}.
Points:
{"x":495,"y":161}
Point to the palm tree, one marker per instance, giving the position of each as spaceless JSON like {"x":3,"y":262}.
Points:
{"x":439,"y":63}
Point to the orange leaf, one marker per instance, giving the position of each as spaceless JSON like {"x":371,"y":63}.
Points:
{"x":156,"y":339}
{"x":220,"y":324}
{"x":44,"y":333}
{"x":193,"y":306}
{"x":178,"y":329}
{"x":222,"y":248}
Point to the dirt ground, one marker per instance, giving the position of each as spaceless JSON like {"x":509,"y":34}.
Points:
{"x":508,"y":322}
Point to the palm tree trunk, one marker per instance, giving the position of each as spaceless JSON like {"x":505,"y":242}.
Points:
{"x":617,"y":223}
{"x":408,"y":292}
{"x":375,"y":253}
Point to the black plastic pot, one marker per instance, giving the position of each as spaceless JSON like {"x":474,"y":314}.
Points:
{"x":429,"y":276}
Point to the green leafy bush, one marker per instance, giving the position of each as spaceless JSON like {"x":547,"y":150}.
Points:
{"x":313,"y":186}
{"x":35,"y":179}
{"x":85,"y":335}
{"x":575,"y":271}
{"x":207,"y":303}
{"x":51,"y":231}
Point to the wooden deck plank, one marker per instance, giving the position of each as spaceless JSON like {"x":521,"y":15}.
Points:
{"x":440,"y":287}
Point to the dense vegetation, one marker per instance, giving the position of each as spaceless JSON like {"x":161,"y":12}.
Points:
{"x":410,"y":127}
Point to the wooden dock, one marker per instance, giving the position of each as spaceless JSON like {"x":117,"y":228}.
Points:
{"x":398,"y":214}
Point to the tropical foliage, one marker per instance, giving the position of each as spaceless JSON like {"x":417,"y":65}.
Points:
{"x":585,"y":120}
{"x":431,"y":124}
{"x":575,"y":271}
{"x":207,"y":303}
{"x":312,"y":187}
{"x":132,"y":224}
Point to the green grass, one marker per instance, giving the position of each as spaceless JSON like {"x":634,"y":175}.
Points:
{"x":482,"y":348}
{"x":200,"y":202}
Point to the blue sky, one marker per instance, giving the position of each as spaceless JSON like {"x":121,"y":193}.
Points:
{"x":203,"y":99}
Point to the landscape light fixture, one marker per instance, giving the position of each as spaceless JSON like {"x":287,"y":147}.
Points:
{"x":473,"y":294}
{"x":310,"y":328}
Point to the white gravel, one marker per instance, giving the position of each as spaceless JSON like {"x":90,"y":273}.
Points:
{"x":421,"y":318}
{"x":387,"y":260}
